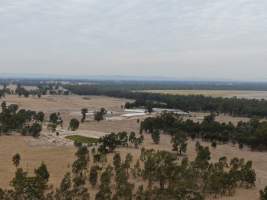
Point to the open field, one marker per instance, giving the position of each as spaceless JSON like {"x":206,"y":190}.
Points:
{"x":59,"y":159}
{"x":58,"y":152}
{"x":217,"y":93}
{"x":69,"y":103}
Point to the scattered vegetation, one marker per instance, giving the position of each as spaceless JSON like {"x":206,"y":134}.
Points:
{"x":161,"y":175}
{"x":82,"y":139}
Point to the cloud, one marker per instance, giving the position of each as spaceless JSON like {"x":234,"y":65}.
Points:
{"x":173,"y":37}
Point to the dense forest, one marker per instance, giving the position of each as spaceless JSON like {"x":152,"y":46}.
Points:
{"x":26,"y":122}
{"x":160,"y":175}
{"x":252,"y":133}
{"x":232,"y":106}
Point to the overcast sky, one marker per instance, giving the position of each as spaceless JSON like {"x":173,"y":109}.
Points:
{"x":204,"y":39}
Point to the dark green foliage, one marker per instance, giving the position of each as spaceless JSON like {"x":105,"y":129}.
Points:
{"x":105,"y":192}
{"x":84,"y":111}
{"x":79,"y":171}
{"x":93,"y":175}
{"x":80,"y":164}
{"x":22,"y":91}
{"x":40,"y":116}
{"x":26,"y":122}
{"x":64,"y":192}
{"x":149,"y":107}
{"x":99,"y":115}
{"x":123,"y":138}
{"x":117,"y":161}
{"x":179,"y":142}
{"x":54,"y":118}
{"x":158,"y":166}
{"x":252,"y":133}
{"x":214,"y":144}
{"x":155,"y":136}
{"x":124,"y":189}
{"x":263,"y":194}
{"x":74,"y":124}
{"x":35,"y":129}
{"x":42,"y":173}
{"x":30,"y":187}
{"x":16,"y":160}
{"x":136,"y":141}
{"x":109,"y":143}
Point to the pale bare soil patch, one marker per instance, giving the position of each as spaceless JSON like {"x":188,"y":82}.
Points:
{"x":216,"y":93}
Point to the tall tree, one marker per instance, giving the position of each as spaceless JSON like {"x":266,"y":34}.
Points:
{"x":74,"y":124}
{"x":93,"y":175}
{"x":84,"y":111}
{"x":155,"y":136}
{"x":16,"y":160}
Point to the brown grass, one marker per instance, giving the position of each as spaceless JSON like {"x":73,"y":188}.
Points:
{"x":59,"y":158}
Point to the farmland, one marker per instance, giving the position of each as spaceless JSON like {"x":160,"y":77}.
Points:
{"x":58,"y":152}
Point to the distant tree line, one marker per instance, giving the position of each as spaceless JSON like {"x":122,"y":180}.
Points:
{"x":142,"y":84}
{"x":252,"y":133}
{"x":233,"y":106}
{"x":134,"y":85}
{"x":42,"y":89}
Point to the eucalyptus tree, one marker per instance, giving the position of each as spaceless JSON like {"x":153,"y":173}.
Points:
{"x":16,"y":160}
{"x":74,"y":124}
{"x":84,"y":111}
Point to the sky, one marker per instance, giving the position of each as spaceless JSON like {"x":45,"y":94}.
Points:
{"x":185,"y":39}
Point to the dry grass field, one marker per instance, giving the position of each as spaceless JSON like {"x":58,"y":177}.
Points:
{"x":216,"y":93}
{"x":59,"y":157}
{"x":67,"y":104}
